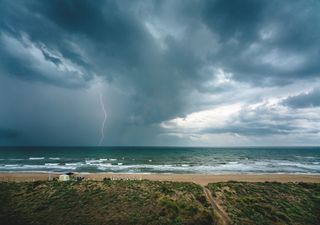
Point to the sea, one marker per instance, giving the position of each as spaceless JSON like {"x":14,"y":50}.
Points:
{"x":172,"y":160}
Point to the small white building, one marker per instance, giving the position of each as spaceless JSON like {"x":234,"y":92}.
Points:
{"x":64,"y":177}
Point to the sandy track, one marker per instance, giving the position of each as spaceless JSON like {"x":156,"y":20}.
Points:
{"x":223,"y":217}
{"x":202,"y":179}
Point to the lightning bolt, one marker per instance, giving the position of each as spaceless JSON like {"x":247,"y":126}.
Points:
{"x":104,"y":119}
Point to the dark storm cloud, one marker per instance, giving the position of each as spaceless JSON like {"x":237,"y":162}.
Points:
{"x":239,"y":20}
{"x":122,"y":45}
{"x":160,"y":52}
{"x":265,"y":121}
{"x":6,"y":133}
{"x":112,"y":31}
{"x":23,"y":32}
{"x":311,"y":99}
{"x":118,"y":44}
{"x":266,"y":41}
{"x":253,"y":129}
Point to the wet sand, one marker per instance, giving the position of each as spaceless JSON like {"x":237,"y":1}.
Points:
{"x":201,"y":179}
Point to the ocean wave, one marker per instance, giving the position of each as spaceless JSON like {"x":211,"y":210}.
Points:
{"x":267,"y":166}
{"x":36,"y":158}
{"x":54,"y":158}
{"x":51,"y":164}
{"x":308,"y":166}
{"x":11,"y":165}
{"x":96,"y":161}
{"x":36,"y":168}
{"x":304,"y":157}
{"x":103,"y":165}
{"x":74,"y":164}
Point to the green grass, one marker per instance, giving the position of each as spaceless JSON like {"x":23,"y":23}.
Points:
{"x":269,"y":203}
{"x":125,"y":202}
{"x":103,"y":202}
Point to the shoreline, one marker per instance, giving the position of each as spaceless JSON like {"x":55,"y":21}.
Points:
{"x":201,"y":179}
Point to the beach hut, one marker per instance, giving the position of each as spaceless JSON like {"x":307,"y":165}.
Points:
{"x":64,"y":177}
{"x":71,"y":175}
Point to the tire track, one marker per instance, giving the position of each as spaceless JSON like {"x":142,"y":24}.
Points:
{"x":223,"y":217}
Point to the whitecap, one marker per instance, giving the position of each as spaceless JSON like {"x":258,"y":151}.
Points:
{"x":36,"y":158}
{"x":51,"y":164}
{"x":74,"y":164}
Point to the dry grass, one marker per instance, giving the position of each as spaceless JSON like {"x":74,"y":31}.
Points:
{"x":103,"y":202}
{"x":269,"y":203}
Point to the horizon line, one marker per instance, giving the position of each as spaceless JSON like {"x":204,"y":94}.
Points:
{"x":154,"y":146}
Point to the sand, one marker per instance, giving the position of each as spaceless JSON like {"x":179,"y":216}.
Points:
{"x":201,"y":179}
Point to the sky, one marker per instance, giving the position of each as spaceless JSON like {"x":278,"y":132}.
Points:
{"x":164,"y":72}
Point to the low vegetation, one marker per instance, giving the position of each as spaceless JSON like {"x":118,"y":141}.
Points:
{"x":109,"y":202}
{"x":122,"y":202}
{"x":269,"y":203}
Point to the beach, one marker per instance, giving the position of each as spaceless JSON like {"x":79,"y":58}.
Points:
{"x":201,"y":179}
{"x":198,"y":165}
{"x":204,"y":199}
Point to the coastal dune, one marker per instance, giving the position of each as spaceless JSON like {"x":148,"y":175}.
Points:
{"x":201,"y":179}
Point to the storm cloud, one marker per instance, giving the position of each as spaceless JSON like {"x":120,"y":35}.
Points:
{"x":171,"y":72}
{"x":305,"y":100}
{"x":7,"y":133}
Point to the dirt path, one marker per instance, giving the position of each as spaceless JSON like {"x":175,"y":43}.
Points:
{"x":223,"y":217}
{"x":201,"y":179}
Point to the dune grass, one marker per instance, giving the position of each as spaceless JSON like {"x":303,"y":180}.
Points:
{"x":269,"y":203}
{"x":103,"y":202}
{"x":116,"y":202}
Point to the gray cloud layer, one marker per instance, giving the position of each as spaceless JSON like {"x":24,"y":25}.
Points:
{"x":311,"y":99}
{"x":7,"y":133}
{"x":157,"y":61}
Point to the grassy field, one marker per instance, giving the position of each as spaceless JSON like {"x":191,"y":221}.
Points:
{"x":108,"y":202}
{"x":269,"y":203}
{"x":124,"y":202}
